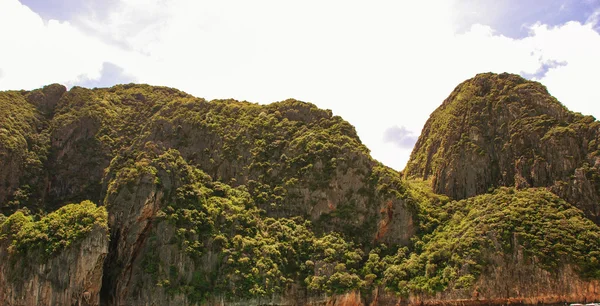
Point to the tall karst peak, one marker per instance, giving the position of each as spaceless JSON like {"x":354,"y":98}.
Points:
{"x":503,"y":130}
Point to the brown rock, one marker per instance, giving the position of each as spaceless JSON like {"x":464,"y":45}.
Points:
{"x":72,"y":277}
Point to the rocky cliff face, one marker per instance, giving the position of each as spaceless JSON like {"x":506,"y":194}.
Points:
{"x":55,"y":261}
{"x":313,"y":160}
{"x":233,"y":203}
{"x":516,"y":281}
{"x":502,"y":130}
{"x":73,"y":277}
{"x":151,"y":154}
{"x":23,"y":145}
{"x":512,"y":280}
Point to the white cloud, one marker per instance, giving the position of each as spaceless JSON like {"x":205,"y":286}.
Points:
{"x":574,"y":84}
{"x":400,"y":136}
{"x":389,"y":63}
{"x":594,"y":18}
{"x":35,"y":53}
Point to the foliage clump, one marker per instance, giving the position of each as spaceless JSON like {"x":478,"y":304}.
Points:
{"x":257,"y":255}
{"x":550,"y":232}
{"x":54,"y":232}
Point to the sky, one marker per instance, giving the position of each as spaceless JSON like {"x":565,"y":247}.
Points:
{"x":384,"y":66}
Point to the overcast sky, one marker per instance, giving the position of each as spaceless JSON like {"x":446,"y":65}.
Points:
{"x":382,"y":65}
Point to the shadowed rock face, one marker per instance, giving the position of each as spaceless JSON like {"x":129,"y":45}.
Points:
{"x":502,"y":130}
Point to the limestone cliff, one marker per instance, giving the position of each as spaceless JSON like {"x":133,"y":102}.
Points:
{"x":502,"y":130}
{"x":24,"y":144}
{"x":151,"y":155}
{"x":233,"y":203}
{"x":73,"y":277}
{"x":57,"y":260}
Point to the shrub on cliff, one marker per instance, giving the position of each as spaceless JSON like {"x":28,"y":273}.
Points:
{"x":550,"y":232}
{"x":55,"y":231}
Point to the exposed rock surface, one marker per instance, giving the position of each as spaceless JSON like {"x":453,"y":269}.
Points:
{"x":502,"y":130}
{"x":512,"y":280}
{"x":72,"y":277}
{"x":516,"y":281}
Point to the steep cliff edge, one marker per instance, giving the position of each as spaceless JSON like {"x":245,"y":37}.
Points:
{"x":56,"y":260}
{"x":24,"y":145}
{"x":502,"y":130}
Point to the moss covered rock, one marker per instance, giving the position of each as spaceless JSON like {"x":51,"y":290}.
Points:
{"x":502,"y":130}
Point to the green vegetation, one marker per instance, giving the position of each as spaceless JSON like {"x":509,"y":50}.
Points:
{"x":549,"y":231}
{"x":276,"y":150}
{"x":53,"y":232}
{"x":23,"y":150}
{"x":257,"y":255}
{"x":261,"y":256}
{"x":503,"y":130}
{"x":240,"y":200}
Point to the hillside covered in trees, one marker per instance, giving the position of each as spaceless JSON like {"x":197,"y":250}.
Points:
{"x":145,"y":195}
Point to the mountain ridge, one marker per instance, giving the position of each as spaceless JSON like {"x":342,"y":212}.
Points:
{"x":227,"y":202}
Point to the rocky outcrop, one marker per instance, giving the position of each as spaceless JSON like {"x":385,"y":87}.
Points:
{"x":45,"y":99}
{"x":18,"y":140}
{"x":24,"y":143}
{"x":148,"y":262}
{"x":514,"y":280}
{"x":313,"y":160}
{"x":71,"y":277}
{"x":502,"y":130}
{"x":293,"y":158}
{"x":133,"y":223}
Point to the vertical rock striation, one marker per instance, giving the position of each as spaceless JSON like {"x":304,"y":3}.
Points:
{"x":71,"y":277}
